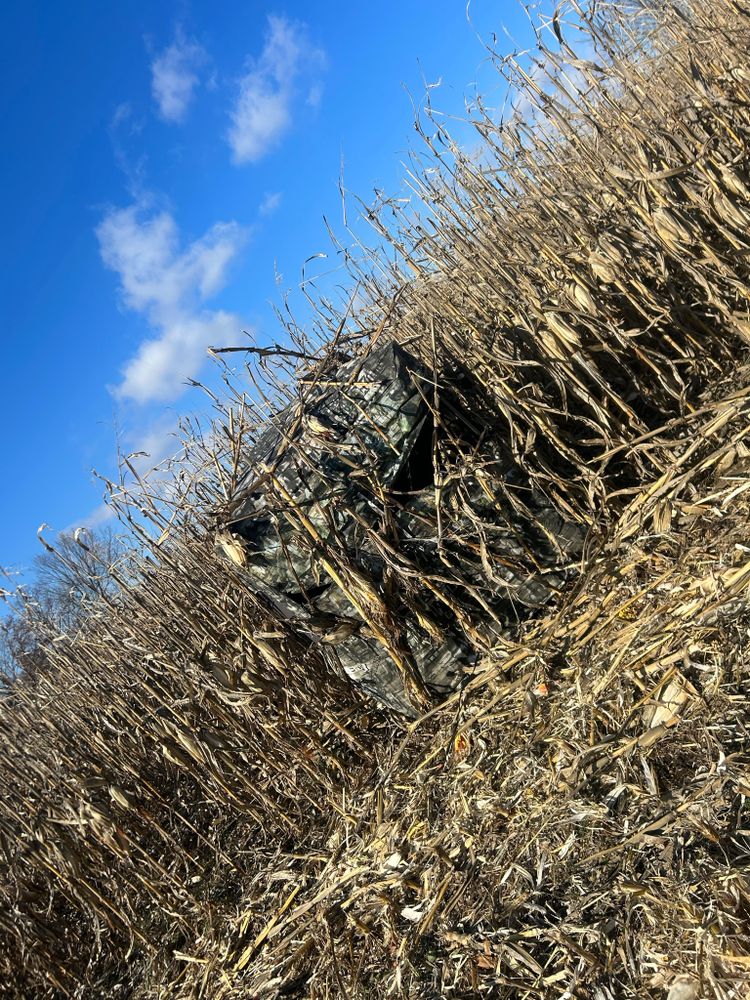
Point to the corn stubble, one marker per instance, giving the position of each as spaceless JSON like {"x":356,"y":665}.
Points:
{"x":195,"y":805}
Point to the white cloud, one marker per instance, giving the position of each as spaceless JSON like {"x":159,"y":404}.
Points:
{"x":314,"y":96}
{"x":159,"y":368}
{"x":94,"y":519}
{"x":154,"y":445}
{"x":168,"y":285}
{"x":159,"y":441}
{"x":270,"y":203}
{"x":268,"y":92}
{"x":174,"y":77}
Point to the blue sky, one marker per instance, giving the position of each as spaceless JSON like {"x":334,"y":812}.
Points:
{"x":167,"y":170}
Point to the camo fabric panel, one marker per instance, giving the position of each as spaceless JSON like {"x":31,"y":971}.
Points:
{"x":336,"y":460}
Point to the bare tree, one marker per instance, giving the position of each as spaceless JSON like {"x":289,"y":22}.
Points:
{"x":78,"y":568}
{"x":21,"y":648}
{"x":72,"y":574}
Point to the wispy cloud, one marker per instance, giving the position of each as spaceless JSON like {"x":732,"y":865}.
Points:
{"x":168,"y":285}
{"x":174,"y":77}
{"x":100,"y":515}
{"x":158,"y":441}
{"x":270,"y":203}
{"x":314,"y":96}
{"x":269,"y":92}
{"x":125,"y":126}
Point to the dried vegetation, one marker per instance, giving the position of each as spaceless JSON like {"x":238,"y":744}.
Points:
{"x":195,"y":805}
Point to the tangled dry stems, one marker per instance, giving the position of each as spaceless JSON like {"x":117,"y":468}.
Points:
{"x":193,"y":809}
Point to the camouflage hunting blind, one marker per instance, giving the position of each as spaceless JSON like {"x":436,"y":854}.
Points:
{"x":381,"y":525}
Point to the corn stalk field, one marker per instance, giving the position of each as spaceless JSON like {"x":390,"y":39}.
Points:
{"x":197,"y":803}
